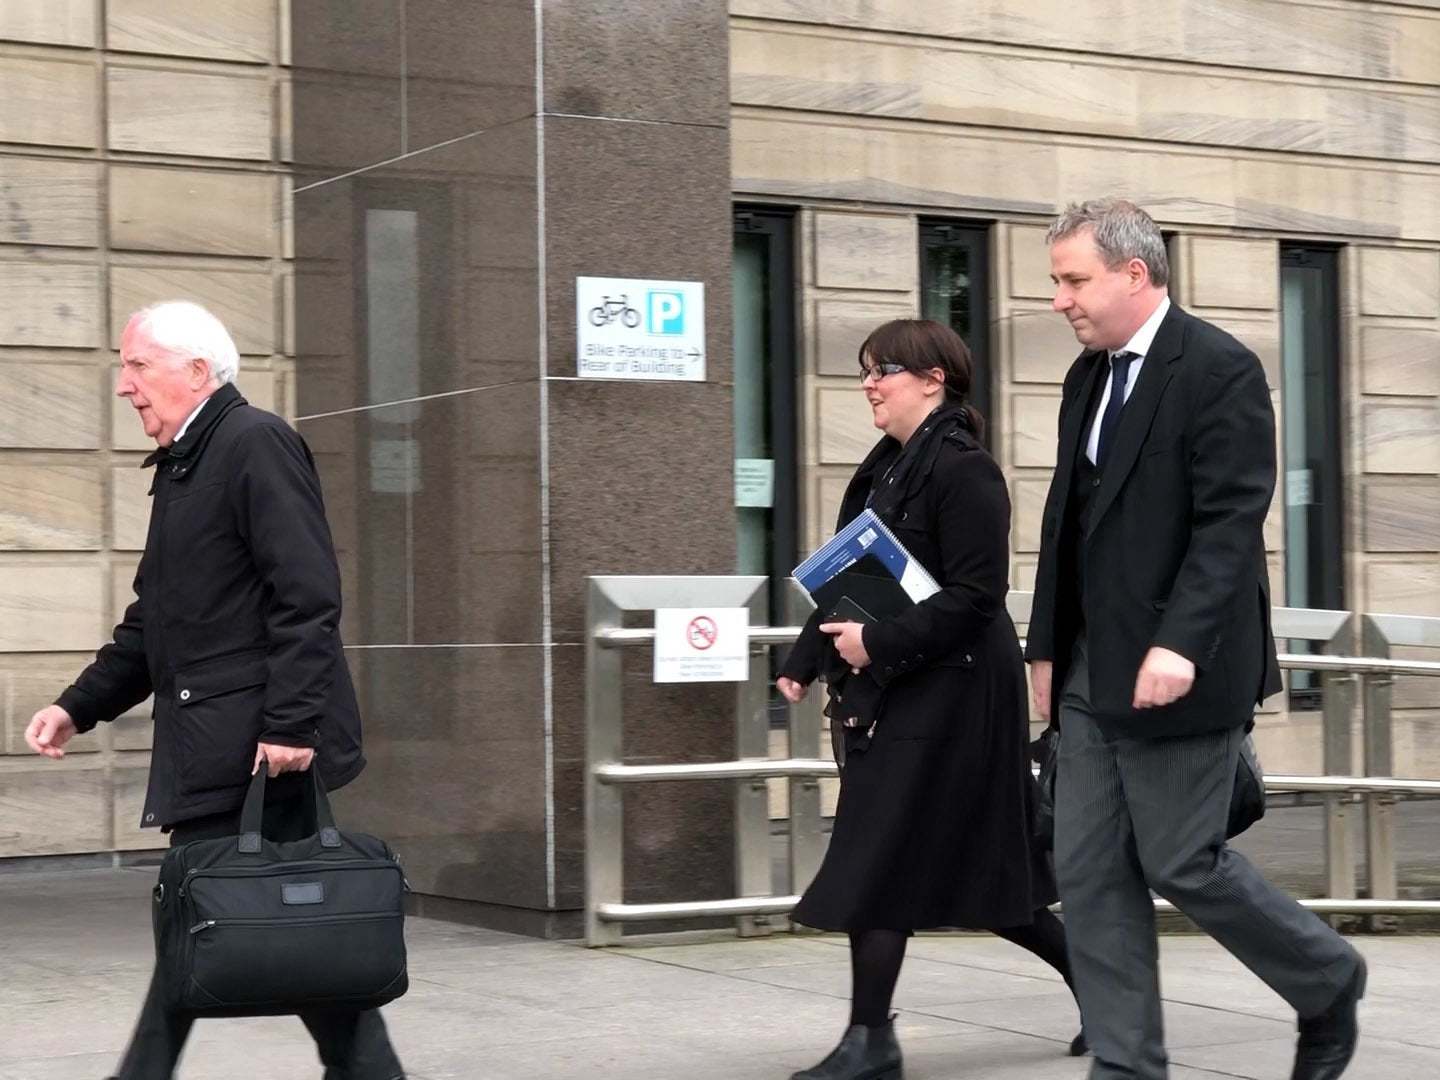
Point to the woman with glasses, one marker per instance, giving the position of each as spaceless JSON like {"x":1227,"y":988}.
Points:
{"x":927,"y":709}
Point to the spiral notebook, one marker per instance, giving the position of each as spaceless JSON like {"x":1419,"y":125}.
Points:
{"x":864,"y":573}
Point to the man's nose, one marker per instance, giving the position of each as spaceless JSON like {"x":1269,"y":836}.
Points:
{"x":123,"y":386}
{"x":1062,"y":300}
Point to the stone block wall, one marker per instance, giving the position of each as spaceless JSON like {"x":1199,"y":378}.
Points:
{"x":142,"y":157}
{"x":1237,"y":126}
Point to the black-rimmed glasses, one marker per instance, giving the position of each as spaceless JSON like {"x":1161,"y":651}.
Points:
{"x":879,"y":371}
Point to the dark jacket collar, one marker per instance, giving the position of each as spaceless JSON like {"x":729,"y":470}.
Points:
{"x":198,"y":433}
{"x":906,"y":466}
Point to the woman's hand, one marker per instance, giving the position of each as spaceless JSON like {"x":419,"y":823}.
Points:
{"x":793,"y":692}
{"x":849,"y":642}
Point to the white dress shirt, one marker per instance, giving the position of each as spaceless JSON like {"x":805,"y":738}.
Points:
{"x":188,"y":421}
{"x":1139,"y":345}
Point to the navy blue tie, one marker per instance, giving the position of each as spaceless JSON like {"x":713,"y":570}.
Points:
{"x":1119,"y":375}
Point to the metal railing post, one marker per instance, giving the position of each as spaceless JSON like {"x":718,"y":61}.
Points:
{"x":1379,"y":761}
{"x":604,"y":803}
{"x":807,"y":840}
{"x":609,"y":597}
{"x":752,"y":797}
{"x":1337,"y":729}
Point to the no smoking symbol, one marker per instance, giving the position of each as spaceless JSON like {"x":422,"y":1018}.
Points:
{"x":702,"y":632}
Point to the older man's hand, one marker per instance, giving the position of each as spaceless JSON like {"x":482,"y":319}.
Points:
{"x":49,"y":730}
{"x":282,"y":759}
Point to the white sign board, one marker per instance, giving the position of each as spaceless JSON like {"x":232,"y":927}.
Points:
{"x":394,"y":466}
{"x":754,"y":481}
{"x":702,"y":645}
{"x":631,"y":328}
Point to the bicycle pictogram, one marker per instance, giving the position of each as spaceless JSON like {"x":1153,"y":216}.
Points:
{"x":608,"y":310}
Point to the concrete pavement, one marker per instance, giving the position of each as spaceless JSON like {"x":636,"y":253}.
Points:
{"x":75,"y":954}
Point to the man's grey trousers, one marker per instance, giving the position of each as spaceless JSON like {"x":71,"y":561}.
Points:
{"x":1132,"y":815}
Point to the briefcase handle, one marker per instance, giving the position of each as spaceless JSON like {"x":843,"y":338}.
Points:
{"x":252,"y":816}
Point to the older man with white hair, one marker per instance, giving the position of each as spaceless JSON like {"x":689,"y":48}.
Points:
{"x":235,"y":631}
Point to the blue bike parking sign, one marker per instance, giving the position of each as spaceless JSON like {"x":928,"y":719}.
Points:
{"x":632,"y":328}
{"x":667,"y":311}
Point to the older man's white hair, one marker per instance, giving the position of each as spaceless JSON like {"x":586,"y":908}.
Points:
{"x":179,"y":331}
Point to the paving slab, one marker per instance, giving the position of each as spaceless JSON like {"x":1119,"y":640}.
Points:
{"x":75,"y":958}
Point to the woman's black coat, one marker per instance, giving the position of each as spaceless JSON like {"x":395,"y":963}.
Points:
{"x":934,"y":823}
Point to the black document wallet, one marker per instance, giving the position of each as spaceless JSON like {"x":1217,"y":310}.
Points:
{"x":864,"y":592}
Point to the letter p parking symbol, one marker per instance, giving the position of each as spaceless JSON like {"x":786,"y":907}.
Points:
{"x":666,"y":312}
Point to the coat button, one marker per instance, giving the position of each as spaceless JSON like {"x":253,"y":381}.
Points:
{"x":149,"y":818}
{"x":969,"y":659}
{"x":1095,"y":482}
{"x":184,"y":695}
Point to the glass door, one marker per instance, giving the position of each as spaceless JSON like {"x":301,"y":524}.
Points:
{"x":765,"y":440}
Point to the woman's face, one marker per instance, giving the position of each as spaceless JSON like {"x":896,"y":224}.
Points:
{"x":899,"y":398}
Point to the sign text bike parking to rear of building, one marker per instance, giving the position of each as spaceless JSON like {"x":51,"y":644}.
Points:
{"x":634,"y":328}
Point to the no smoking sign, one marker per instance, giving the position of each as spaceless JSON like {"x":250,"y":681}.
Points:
{"x":702,"y":632}
{"x":702,"y":645}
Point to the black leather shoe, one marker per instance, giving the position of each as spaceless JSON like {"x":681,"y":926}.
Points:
{"x":1327,"y":1042}
{"x":865,"y":1053}
{"x":1078,"y":1046}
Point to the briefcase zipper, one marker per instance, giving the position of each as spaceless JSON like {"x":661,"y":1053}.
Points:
{"x":206,"y":924}
{"x":290,"y":868}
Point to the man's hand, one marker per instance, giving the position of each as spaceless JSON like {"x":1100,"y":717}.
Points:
{"x":793,"y":692}
{"x":49,"y":730}
{"x":1164,"y":677}
{"x":282,"y":758}
{"x":849,"y":643}
{"x":1041,"y":672}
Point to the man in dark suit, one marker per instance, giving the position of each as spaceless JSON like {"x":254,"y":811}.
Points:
{"x":234,"y":629}
{"x":1150,"y":645}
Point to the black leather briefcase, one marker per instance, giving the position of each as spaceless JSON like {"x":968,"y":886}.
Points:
{"x":249,"y":927}
{"x":1247,"y":797}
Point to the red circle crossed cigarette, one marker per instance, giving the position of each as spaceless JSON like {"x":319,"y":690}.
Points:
{"x":702,"y":632}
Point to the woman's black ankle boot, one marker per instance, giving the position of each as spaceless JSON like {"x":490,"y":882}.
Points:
{"x":864,"y":1053}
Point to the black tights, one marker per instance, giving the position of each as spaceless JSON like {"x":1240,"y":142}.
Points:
{"x":876,"y":956}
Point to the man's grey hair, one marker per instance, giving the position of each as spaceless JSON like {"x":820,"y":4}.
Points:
{"x":1122,"y":232}
{"x":180,"y":330}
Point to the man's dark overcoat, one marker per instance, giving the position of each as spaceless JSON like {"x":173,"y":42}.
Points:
{"x":235,"y":627}
{"x":1172,"y":552}
{"x":934,"y":822}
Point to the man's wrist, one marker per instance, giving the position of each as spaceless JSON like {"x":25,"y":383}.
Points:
{"x":282,"y":738}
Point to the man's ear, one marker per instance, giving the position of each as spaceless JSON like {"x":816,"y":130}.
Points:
{"x":200,"y":374}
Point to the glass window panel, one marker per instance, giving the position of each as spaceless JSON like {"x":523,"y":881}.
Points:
{"x":954,"y":272}
{"x":1310,"y":470}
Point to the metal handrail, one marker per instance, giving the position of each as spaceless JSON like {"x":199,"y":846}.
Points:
{"x":629,"y":637}
{"x":770,"y":768}
{"x":783,"y":905}
{"x":745,"y":769}
{"x":1348,"y":681}
{"x":615,"y":637}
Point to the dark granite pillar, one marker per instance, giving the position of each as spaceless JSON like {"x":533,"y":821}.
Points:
{"x":457,"y":165}
{"x":635,"y":150}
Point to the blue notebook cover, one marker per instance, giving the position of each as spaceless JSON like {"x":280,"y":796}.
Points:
{"x":861,"y":548}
